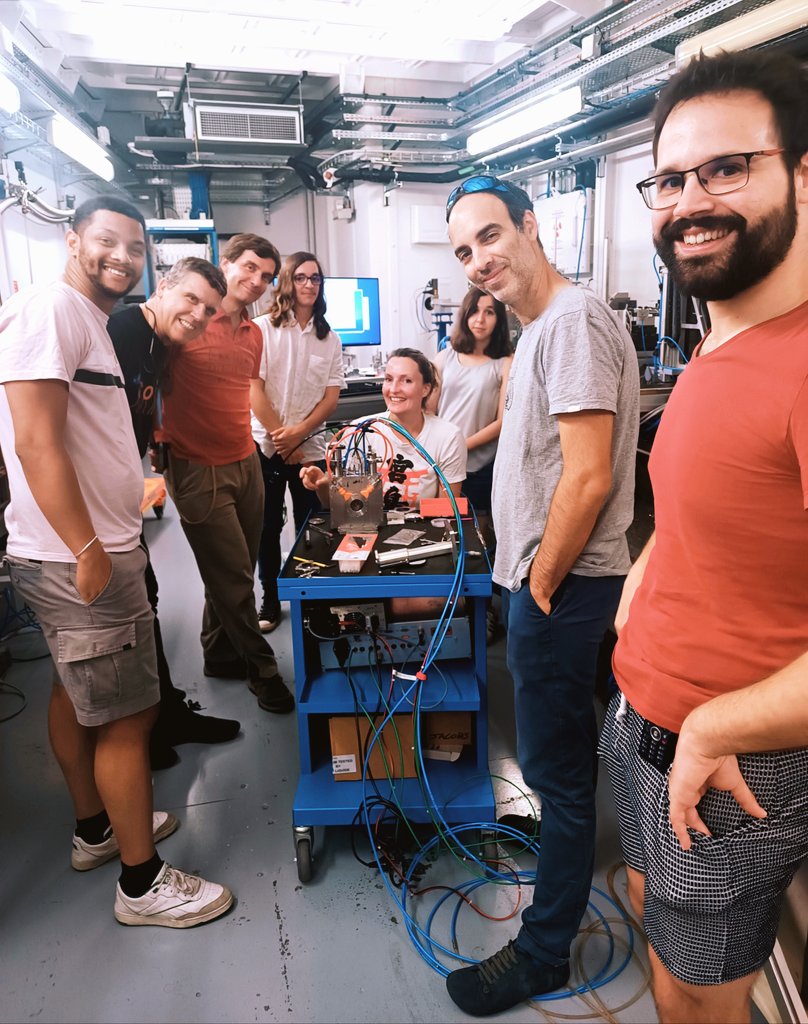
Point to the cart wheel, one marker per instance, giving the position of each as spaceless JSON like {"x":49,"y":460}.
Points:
{"x":158,"y":511}
{"x":303,"y":853}
{"x":489,"y":848}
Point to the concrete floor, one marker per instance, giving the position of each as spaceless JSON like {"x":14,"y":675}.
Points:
{"x":334,"y":950}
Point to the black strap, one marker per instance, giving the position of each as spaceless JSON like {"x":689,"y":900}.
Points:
{"x":107,"y":380}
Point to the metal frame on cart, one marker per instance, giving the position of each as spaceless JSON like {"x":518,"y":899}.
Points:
{"x":463,"y":790}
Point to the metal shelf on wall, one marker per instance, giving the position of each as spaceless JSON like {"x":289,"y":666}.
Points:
{"x":171,"y":240}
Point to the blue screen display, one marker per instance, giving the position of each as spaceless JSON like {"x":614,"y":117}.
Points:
{"x":353,"y":309}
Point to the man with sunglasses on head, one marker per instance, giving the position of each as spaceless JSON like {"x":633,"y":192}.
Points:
{"x":563,"y":498}
{"x":713,"y":620}
{"x":213,"y":474}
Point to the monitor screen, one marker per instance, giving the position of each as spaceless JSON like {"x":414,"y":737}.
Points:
{"x":353,"y":309}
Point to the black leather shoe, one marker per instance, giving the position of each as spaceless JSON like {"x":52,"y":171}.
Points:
{"x":503,"y":980}
{"x":272,"y":694}
{"x":269,"y":615}
{"x":185,"y":725}
{"x":234,"y":669}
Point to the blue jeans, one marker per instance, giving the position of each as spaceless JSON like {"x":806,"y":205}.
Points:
{"x":553,"y":660}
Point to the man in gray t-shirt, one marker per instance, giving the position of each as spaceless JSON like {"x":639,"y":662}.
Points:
{"x":562,"y":501}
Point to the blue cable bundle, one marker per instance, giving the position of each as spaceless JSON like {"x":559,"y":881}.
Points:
{"x":452,"y":836}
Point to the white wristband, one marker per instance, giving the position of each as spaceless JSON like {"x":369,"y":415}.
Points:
{"x":89,"y":544}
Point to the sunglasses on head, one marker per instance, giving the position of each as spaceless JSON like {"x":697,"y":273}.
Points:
{"x":484,"y":183}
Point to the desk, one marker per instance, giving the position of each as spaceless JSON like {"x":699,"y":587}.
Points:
{"x":462,"y":788}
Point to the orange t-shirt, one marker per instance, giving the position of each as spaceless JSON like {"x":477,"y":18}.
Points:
{"x":724,"y":599}
{"x":206,"y":393}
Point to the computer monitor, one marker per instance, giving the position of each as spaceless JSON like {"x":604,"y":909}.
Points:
{"x":353,"y":309}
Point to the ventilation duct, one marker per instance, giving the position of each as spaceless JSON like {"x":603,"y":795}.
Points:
{"x":253,"y":123}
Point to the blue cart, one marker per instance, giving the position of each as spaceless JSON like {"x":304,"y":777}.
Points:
{"x":462,"y":788}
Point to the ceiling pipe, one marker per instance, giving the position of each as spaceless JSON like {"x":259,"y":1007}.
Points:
{"x":631,"y":111}
{"x":635,"y":138}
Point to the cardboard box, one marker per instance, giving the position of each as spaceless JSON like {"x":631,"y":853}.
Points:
{"x":347,"y":760}
{"x":443,"y":736}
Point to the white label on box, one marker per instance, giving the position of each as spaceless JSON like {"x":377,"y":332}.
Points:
{"x":343,"y":764}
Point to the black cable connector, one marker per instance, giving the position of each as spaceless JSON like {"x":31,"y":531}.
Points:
{"x":342,"y":651}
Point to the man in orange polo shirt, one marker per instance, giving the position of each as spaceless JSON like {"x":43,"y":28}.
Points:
{"x":214,"y":476}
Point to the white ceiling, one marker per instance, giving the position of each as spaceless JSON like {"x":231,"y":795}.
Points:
{"x":435,"y":40}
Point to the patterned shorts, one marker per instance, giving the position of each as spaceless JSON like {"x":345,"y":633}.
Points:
{"x":711,"y":914}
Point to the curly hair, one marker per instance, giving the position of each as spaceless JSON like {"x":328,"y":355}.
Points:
{"x":499,"y":344}
{"x":281,"y":310}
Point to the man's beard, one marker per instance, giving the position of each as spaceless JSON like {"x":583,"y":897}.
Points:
{"x":752,"y":256}
{"x":92,"y":268}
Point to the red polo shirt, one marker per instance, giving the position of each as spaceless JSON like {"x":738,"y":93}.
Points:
{"x":206,"y":393}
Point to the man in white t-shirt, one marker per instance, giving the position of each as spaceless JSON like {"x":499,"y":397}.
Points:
{"x":74,"y":555}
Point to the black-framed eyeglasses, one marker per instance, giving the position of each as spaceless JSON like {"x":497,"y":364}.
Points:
{"x":719,"y":176}
{"x":484,"y":183}
{"x":316,"y":279}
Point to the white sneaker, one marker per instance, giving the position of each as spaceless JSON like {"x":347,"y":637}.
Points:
{"x":175,"y":900}
{"x":86,"y":856}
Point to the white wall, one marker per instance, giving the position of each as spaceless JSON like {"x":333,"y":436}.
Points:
{"x":29,"y":249}
{"x":627,"y":248}
{"x":378,"y":242}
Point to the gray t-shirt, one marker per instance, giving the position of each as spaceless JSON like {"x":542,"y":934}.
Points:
{"x":469,"y":398}
{"x":572,"y":358}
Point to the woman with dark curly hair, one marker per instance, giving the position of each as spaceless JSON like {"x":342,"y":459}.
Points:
{"x":301,"y":378}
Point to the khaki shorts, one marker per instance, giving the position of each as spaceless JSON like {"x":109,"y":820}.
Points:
{"x":103,"y":652}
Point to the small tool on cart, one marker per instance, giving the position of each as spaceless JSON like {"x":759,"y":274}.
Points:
{"x":307,"y":567}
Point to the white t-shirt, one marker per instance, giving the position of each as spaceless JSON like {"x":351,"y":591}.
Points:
{"x":53,"y":332}
{"x":296,"y":368}
{"x":407,"y":476}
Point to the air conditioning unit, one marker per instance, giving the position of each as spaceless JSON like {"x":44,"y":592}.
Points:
{"x":249,"y":122}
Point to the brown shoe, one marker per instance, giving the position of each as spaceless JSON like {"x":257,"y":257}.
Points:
{"x":272,"y":694}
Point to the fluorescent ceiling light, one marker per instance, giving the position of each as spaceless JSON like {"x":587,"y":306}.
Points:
{"x":79,"y":146}
{"x":9,"y":96}
{"x":529,"y":119}
{"x":758,"y":26}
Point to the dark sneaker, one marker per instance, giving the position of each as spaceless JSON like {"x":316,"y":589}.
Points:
{"x":269,"y":615}
{"x":503,"y":980}
{"x":236,"y":668}
{"x":86,"y":856}
{"x":175,"y":900}
{"x":272,"y":694}
{"x":161,"y":754}
{"x":185,"y":725}
{"x":524,"y":823}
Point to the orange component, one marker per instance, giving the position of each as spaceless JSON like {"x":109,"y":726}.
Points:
{"x":443,"y":507}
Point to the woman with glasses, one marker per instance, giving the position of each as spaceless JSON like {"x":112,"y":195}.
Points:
{"x":301,"y":377}
{"x":474,"y":372}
